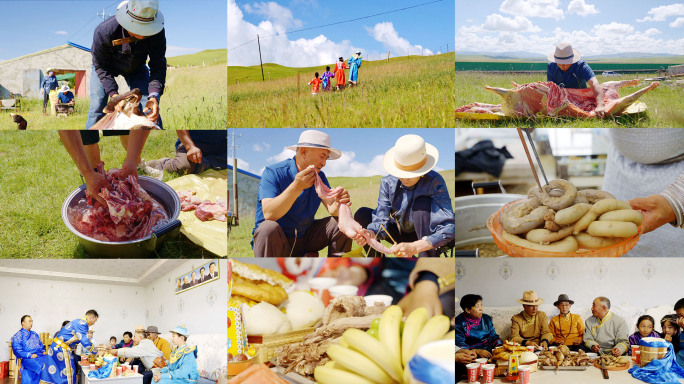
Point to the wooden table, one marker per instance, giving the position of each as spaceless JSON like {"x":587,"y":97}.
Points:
{"x":591,"y":376}
{"x":135,"y":379}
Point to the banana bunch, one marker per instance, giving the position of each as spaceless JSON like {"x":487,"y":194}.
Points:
{"x":362,"y":358}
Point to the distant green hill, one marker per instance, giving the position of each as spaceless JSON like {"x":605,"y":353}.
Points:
{"x":253,"y":73}
{"x":208,"y":57}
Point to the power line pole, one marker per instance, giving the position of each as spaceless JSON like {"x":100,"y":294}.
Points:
{"x":103,"y":14}
{"x":262,"y":63}
{"x":235,"y":189}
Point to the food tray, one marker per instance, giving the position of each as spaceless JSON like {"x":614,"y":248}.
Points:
{"x":597,"y":364}
{"x":553,"y":368}
{"x":267,"y":344}
{"x":638,"y":107}
{"x":495,"y":227}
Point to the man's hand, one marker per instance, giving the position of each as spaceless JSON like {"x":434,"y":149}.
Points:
{"x":94,"y":183}
{"x":531,"y":343}
{"x":152,"y":105}
{"x":424,"y":294}
{"x":359,"y":239}
{"x":343,"y":198}
{"x":305,"y":179}
{"x":483,"y":353}
{"x":616,"y":352}
{"x":544,"y":344}
{"x":668,"y":338}
{"x":465,"y":356}
{"x":404,"y":249}
{"x":129,"y":168}
{"x":577,"y":342}
{"x":558,"y":340}
{"x":156,"y":377}
{"x":34,"y":356}
{"x":194,"y":154}
{"x":595,"y":348}
{"x":656,"y":211}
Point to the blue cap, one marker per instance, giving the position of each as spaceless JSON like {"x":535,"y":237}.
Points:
{"x":181,"y":330}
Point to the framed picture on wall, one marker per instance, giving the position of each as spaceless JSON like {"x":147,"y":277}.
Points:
{"x":205,"y":274}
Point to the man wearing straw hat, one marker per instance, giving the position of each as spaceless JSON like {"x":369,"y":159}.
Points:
{"x":121,"y":46}
{"x":567,"y":70}
{"x":287,"y":202}
{"x":66,"y":100}
{"x":414,"y":208}
{"x":48,"y":84}
{"x":531,"y":326}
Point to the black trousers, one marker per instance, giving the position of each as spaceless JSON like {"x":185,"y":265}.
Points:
{"x":461,"y":371}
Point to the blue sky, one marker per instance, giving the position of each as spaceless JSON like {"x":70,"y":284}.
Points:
{"x":430,"y":27}
{"x":191,"y":26}
{"x":362,"y":149}
{"x":593,"y":26}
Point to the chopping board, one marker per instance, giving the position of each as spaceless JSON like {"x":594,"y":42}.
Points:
{"x":291,"y":377}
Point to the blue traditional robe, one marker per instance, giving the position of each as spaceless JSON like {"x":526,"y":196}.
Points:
{"x":24,"y":345}
{"x":354,"y":65}
{"x":60,"y":367}
{"x":182,"y":368}
{"x":471,"y":334}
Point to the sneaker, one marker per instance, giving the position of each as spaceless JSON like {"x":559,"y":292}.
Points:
{"x":145,"y":169}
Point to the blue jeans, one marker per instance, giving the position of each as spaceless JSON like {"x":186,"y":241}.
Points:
{"x":98,"y":98}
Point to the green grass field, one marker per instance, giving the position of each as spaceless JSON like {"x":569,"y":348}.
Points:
{"x":410,"y":91}
{"x":194,"y":98}
{"x":38,"y":174}
{"x":665,"y":103}
{"x":363,"y":192}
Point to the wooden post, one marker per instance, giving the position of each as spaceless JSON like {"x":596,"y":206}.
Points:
{"x":236,"y":80}
{"x":235,"y":184}
{"x":269,"y":75}
{"x":260,"y":61}
{"x":447,"y":47}
{"x":298,"y":84}
{"x":388,"y":52}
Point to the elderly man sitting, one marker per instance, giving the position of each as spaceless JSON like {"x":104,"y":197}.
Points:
{"x":144,"y":350}
{"x":531,"y":326}
{"x":567,"y":328}
{"x":605,"y":330}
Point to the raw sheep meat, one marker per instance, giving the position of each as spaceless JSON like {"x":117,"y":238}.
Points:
{"x":123,"y":112}
{"x":204,"y":210}
{"x":130,"y":213}
{"x":547,"y":98}
{"x":347,"y":224}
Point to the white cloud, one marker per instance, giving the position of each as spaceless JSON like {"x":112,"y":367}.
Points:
{"x":276,"y":12}
{"x":172,"y":50}
{"x":278,"y":49}
{"x":581,"y":8}
{"x":664,"y":11}
{"x":533,"y":8}
{"x":61,"y":33}
{"x":283,"y":155}
{"x":390,"y":39}
{"x":651,"y":32}
{"x":347,"y":165}
{"x":263,"y":147}
{"x":677,"y":23}
{"x":612,"y":30}
{"x":241,"y":164}
{"x":496,"y":22}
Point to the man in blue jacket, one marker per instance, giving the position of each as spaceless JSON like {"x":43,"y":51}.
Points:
{"x":48,"y":84}
{"x":121,"y":46}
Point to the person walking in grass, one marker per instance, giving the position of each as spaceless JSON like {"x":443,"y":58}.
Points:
{"x":315,"y":84}
{"x":325,"y":78}
{"x":354,"y":65}
{"x":339,"y":73}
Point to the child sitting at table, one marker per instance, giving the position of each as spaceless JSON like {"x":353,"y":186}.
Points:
{"x":645,"y":326}
{"x":670,"y":330}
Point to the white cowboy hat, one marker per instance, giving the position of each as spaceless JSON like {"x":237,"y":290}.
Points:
{"x":141,"y":17}
{"x":410,"y":157}
{"x":64,"y":88}
{"x":564,"y":54}
{"x":316,"y":139}
{"x":530,"y":298}
{"x":49,"y":69}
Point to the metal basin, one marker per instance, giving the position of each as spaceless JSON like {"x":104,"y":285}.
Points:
{"x":140,"y":248}
{"x":472,"y":213}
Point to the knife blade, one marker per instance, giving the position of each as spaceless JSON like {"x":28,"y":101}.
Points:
{"x":603,"y":366}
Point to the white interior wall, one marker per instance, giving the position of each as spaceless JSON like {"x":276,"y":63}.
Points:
{"x":121,"y":308}
{"x":639,"y":282}
{"x":201,"y":309}
{"x":49,"y":303}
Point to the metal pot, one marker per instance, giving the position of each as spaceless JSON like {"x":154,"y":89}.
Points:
{"x":140,"y":248}
{"x":471,"y":214}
